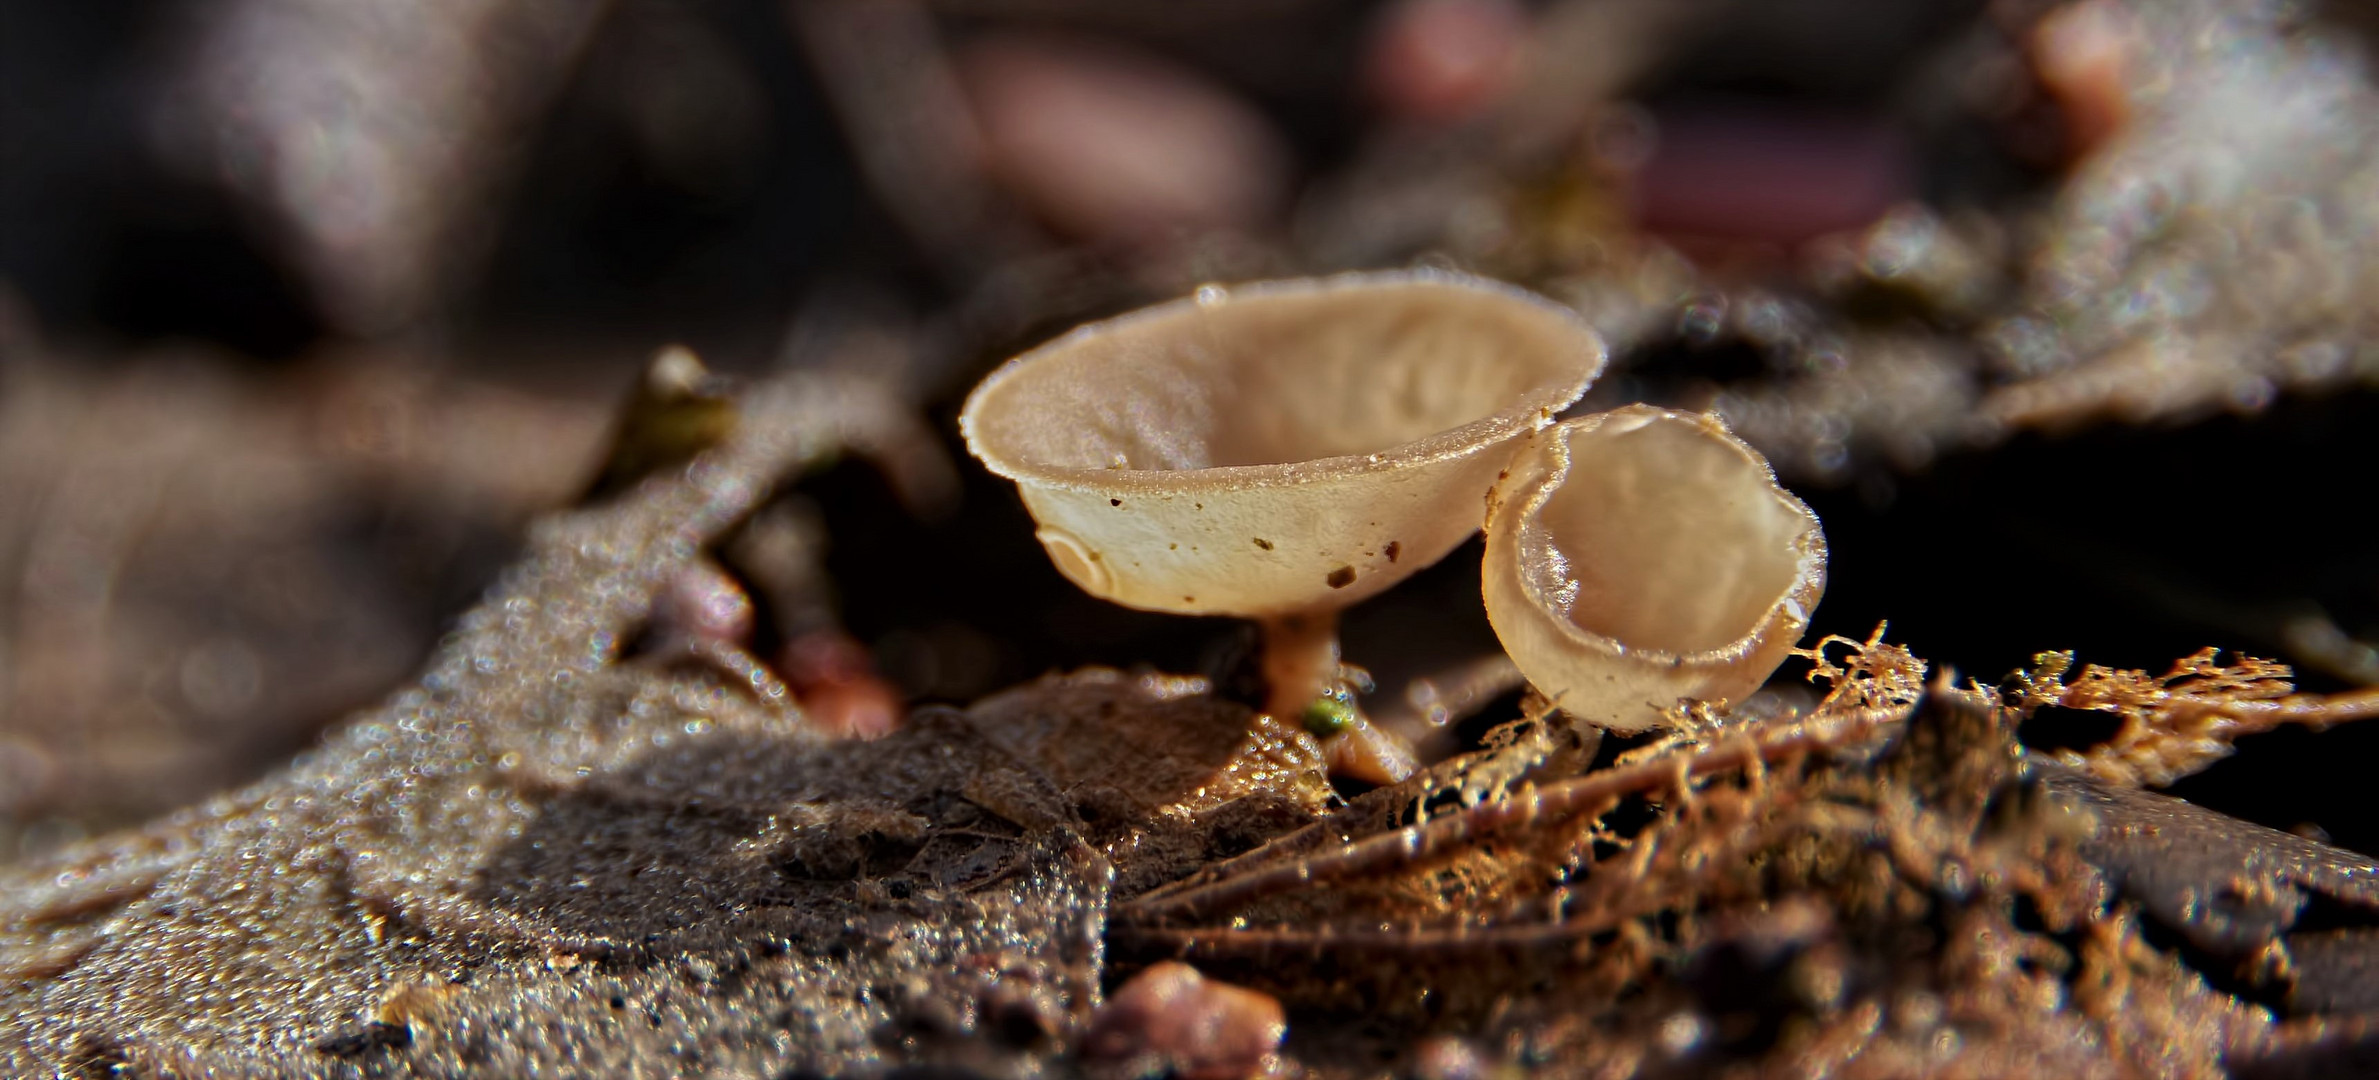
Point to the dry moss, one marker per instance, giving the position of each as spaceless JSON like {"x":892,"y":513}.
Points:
{"x":2182,"y":721}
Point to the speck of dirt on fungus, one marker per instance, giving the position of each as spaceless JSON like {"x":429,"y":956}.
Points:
{"x":1341,"y":577}
{"x":1115,"y":502}
{"x":1263,"y":543}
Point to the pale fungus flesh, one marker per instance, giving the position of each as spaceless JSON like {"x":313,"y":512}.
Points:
{"x":1640,"y":557}
{"x":1278,"y":451}
{"x":1276,"y":448}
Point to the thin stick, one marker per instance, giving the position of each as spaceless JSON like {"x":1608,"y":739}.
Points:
{"x":2315,"y":711}
{"x":1241,"y":882}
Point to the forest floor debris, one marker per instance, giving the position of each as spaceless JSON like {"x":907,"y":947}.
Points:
{"x":549,"y":854}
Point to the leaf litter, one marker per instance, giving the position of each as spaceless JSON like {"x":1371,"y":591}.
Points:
{"x":552,"y":855}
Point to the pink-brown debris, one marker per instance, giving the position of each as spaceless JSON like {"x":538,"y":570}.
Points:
{"x":1196,"y":1027}
{"x":838,"y":687}
{"x":1108,"y":143}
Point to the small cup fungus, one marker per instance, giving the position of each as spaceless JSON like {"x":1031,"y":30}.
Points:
{"x":1278,"y":451}
{"x":1640,"y":556}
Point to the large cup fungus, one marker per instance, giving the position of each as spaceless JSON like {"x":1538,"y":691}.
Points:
{"x":1279,"y":451}
{"x":1641,"y":556}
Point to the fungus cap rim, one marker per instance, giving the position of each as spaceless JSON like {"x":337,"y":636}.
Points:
{"x":1529,"y":412}
{"x":1809,"y":574}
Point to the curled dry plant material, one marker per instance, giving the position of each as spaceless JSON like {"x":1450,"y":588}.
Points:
{"x":1861,"y":890}
{"x":2182,"y":721}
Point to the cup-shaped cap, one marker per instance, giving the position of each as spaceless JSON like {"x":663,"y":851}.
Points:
{"x":1275,"y":448}
{"x":1640,"y":556}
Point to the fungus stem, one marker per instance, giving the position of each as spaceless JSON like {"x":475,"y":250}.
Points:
{"x":1301,"y":672}
{"x":1300,"y":661}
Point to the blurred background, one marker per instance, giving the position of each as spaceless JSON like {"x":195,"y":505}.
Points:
{"x":2060,"y":315}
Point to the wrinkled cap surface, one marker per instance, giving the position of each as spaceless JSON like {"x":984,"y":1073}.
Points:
{"x":1640,"y":556}
{"x":1279,"y":447}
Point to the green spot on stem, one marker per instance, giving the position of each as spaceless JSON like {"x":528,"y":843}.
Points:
{"x":1328,"y":716}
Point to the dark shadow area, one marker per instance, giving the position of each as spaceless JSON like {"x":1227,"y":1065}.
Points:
{"x":2052,"y":727}
{"x":2131,"y":547}
{"x":921,"y":593}
{"x":2298,"y":780}
{"x":735,"y":833}
{"x":2124,"y":544}
{"x":703,"y":231}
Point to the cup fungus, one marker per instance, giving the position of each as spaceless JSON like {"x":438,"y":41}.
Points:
{"x":1279,"y":451}
{"x":1640,"y":556}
